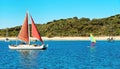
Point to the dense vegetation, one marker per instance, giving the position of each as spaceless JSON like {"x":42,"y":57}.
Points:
{"x":75,"y":27}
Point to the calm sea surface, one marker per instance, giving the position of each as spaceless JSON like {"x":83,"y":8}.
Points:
{"x":63,"y":55}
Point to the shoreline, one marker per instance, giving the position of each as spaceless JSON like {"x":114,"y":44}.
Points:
{"x":67,"y":38}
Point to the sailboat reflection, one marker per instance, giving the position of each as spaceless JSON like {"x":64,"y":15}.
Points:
{"x":28,"y":59}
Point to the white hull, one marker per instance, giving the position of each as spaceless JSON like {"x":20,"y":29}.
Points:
{"x":28,"y":47}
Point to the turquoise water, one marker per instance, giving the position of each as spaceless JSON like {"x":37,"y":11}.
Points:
{"x":63,"y":55}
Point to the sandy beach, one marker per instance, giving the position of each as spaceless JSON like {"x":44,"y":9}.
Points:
{"x":68,"y":38}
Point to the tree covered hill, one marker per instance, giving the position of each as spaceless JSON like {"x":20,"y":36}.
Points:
{"x":74,"y":27}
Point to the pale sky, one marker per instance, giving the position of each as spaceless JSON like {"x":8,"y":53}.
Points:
{"x":12,"y":12}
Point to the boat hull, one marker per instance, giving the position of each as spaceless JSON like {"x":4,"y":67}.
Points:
{"x":28,"y":47}
{"x":6,"y":40}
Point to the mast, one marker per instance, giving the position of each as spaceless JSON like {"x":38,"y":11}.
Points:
{"x":29,"y":33}
{"x":6,"y":32}
{"x":28,"y":29}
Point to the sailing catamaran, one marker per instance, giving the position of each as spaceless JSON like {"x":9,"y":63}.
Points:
{"x":24,"y":35}
{"x":93,"y":41}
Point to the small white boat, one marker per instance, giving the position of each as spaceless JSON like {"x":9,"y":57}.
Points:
{"x":24,"y":35}
{"x":110,"y":39}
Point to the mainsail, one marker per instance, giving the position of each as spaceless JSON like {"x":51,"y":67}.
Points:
{"x":35,"y":32}
{"x":24,"y":34}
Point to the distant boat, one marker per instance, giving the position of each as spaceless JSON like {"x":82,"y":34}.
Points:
{"x":93,"y":41}
{"x":24,"y":35}
{"x":7,"y":39}
{"x":110,"y":39}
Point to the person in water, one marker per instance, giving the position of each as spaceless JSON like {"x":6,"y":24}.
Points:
{"x":93,"y":44}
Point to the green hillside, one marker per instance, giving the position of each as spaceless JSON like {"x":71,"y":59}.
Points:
{"x":75,"y":27}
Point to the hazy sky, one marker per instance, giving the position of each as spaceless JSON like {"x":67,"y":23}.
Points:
{"x":12,"y":12}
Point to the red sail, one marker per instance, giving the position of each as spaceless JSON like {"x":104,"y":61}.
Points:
{"x":35,"y":32}
{"x":23,"y":34}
